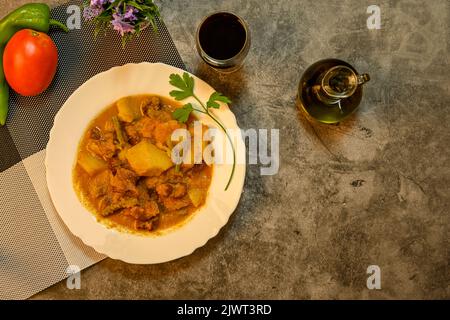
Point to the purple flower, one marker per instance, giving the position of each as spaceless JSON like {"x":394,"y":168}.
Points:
{"x":99,"y":3}
{"x":95,"y":8}
{"x":130,"y":14}
{"x":90,"y":13}
{"x":120,"y":25}
{"x":124,"y":18}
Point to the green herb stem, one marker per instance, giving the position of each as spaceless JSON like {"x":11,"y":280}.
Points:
{"x":201,"y":111}
{"x":226,"y":133}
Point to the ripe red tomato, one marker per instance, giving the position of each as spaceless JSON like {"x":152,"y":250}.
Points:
{"x":29,"y":61}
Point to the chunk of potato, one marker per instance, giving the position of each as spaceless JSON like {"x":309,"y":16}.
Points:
{"x":197,"y":196}
{"x":91,"y":164}
{"x":147,"y":160}
{"x":129,"y":109}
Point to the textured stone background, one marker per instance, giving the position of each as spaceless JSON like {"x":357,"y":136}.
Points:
{"x":312,"y":230}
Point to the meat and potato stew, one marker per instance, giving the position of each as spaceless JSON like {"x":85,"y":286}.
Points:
{"x":124,"y":172}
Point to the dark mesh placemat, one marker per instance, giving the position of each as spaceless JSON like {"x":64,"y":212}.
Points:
{"x":35,"y":246}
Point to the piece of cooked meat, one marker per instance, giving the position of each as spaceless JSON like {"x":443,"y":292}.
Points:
{"x":146,"y":127}
{"x":175,"y":190}
{"x":176,"y":204}
{"x":96,"y":133}
{"x":144,"y":225}
{"x":159,"y":115}
{"x":151,"y":208}
{"x":100,"y":184}
{"x":103,"y":148}
{"x":115,"y":163}
{"x":163,"y":131}
{"x":124,"y":181}
{"x":179,"y":190}
{"x":132,"y":133}
{"x":107,"y":200}
{"x":113,"y":202}
{"x":164,"y":190}
{"x":152,"y":182}
{"x":149,"y":211}
{"x":173,"y":175}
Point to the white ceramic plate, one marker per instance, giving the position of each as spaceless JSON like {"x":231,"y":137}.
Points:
{"x":71,"y":122}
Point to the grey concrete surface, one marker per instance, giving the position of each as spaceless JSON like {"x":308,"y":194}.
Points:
{"x":374,"y":190}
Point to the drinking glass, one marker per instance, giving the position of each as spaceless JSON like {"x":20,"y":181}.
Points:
{"x":223,"y":41}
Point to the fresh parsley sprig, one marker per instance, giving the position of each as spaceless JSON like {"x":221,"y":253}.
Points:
{"x":185,"y":85}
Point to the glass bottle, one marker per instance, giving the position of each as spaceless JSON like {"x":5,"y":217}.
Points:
{"x":330,"y":90}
